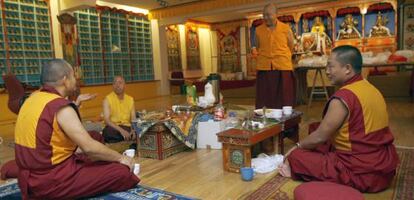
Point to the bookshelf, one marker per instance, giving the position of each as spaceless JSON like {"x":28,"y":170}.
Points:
{"x":114,"y":43}
{"x":90,"y":48}
{"x":27,"y":39}
{"x":141,"y":48}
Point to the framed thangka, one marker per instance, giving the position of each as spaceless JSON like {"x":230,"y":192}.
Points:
{"x":69,"y":39}
{"x":193,"y":48}
{"x":408,"y":27}
{"x":173,"y":48}
{"x":380,"y":21}
{"x":229,"y":49}
{"x":348,"y":23}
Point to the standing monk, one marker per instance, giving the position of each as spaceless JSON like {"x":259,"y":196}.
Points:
{"x":275,"y":86}
{"x":353,"y":144}
{"x":47,"y":133}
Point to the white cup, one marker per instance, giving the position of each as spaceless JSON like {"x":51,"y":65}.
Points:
{"x":277,"y":113}
{"x":129,"y":152}
{"x":136,"y":169}
{"x":174,"y":108}
{"x":287,"y":110}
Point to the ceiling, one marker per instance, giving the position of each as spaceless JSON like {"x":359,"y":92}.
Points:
{"x":150,"y":4}
{"x":235,"y":12}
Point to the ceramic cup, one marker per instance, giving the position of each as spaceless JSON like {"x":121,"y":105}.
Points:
{"x":136,"y":168}
{"x":277,"y":113}
{"x":287,"y":110}
{"x":174,"y":108}
{"x":247,"y":173}
{"x":129,"y":152}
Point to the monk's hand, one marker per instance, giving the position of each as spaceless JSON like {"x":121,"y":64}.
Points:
{"x":254,"y":52}
{"x":288,"y":153}
{"x":125,"y":134}
{"x":133,"y":135}
{"x":128,"y":161}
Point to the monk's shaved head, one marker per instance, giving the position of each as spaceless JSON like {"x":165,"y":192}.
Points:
{"x":54,"y":71}
{"x":270,"y":7}
{"x":269,"y":15}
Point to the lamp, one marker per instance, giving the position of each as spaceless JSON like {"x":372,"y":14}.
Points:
{"x":162,"y":3}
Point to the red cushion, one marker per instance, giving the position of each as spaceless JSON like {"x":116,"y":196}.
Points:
{"x":9,"y":170}
{"x":326,"y":191}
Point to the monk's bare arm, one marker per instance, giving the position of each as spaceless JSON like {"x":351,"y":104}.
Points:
{"x":133,"y":113}
{"x":290,"y":41}
{"x":71,"y":125}
{"x":332,"y":121}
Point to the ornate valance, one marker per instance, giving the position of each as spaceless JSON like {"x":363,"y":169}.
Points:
{"x":348,"y":10}
{"x":374,"y":8}
{"x":116,"y":10}
{"x":286,"y":18}
{"x":311,"y":15}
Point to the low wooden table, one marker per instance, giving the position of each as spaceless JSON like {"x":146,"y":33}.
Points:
{"x":237,"y":143}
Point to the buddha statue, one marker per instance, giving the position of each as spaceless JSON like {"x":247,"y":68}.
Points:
{"x":348,"y":28}
{"x":318,"y":26}
{"x":380,"y":29}
{"x":323,"y":40}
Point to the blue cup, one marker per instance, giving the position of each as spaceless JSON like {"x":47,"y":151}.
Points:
{"x":246,"y":173}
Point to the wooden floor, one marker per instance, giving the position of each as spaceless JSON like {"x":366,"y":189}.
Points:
{"x":199,"y":173}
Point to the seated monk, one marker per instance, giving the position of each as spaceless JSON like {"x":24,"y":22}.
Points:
{"x":119,"y":111}
{"x":353,"y":144}
{"x":17,"y":96}
{"x":47,"y":133}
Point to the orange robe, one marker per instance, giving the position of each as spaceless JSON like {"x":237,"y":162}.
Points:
{"x":48,"y":167}
{"x":362,"y":154}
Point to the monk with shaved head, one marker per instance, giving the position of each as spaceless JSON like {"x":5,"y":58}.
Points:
{"x":47,"y":134}
{"x":273,"y":48}
{"x":353,"y":144}
{"x":119,"y":111}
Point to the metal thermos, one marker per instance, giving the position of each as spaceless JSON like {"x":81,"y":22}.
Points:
{"x":214,"y":79}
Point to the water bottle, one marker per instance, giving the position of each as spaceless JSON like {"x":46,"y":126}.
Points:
{"x":232,"y":121}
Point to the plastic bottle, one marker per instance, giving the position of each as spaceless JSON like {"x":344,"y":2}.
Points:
{"x":232,"y":121}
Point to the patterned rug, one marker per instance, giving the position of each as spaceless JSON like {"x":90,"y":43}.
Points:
{"x":11,"y":191}
{"x":402,"y":188}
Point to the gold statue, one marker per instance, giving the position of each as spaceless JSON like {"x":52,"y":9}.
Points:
{"x":323,"y":40}
{"x":379,"y":29}
{"x":348,"y":28}
{"x":318,"y":26}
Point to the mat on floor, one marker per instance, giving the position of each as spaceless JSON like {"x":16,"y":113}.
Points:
{"x":11,"y":191}
{"x":402,"y":187}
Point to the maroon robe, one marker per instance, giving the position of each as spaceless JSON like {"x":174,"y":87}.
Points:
{"x":361,"y":154}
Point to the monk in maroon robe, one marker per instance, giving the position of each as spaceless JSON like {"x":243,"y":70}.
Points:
{"x":353,"y":144}
{"x":48,"y":132}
